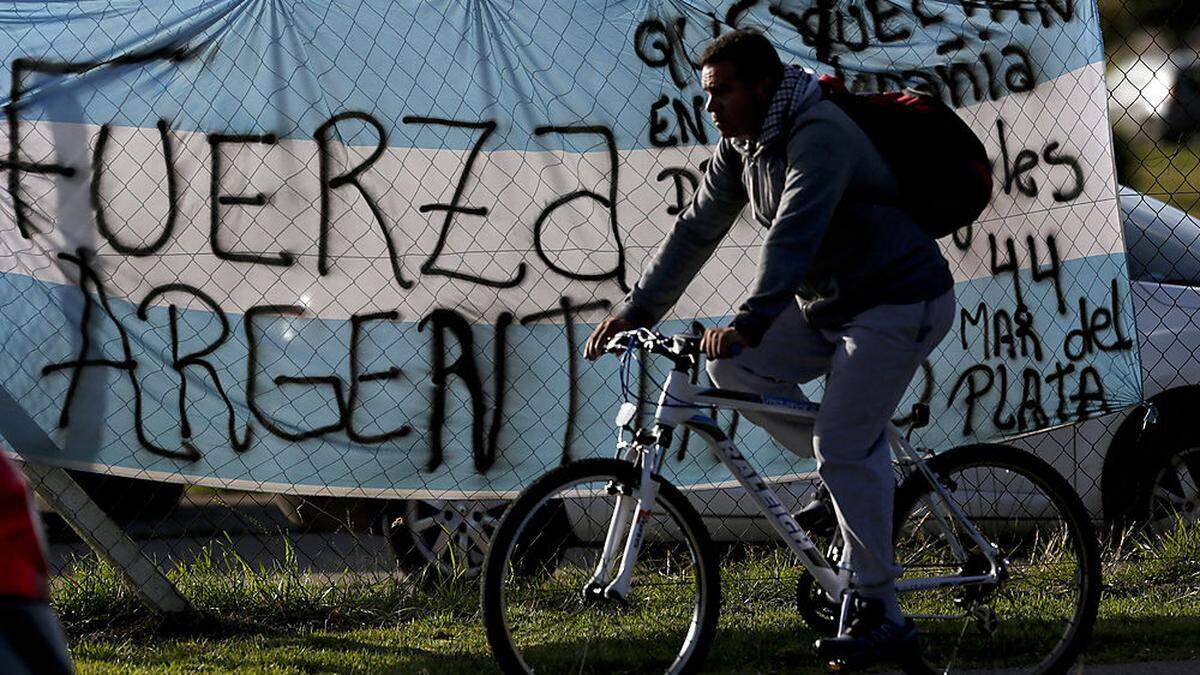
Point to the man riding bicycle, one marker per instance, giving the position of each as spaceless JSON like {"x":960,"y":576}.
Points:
{"x":848,"y":286}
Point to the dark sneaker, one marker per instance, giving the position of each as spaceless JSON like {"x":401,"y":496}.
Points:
{"x":872,"y":639}
{"x":817,"y":517}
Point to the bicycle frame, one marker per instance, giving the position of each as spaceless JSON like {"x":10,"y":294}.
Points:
{"x":678,"y":405}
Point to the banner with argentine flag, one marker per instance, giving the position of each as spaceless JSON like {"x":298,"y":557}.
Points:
{"x":354,"y":247}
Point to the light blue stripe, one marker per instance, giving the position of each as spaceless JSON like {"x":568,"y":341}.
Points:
{"x":41,"y":321}
{"x":286,"y":66}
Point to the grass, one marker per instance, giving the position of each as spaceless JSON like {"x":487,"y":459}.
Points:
{"x":233,"y":596}
{"x":1165,"y":170}
{"x":279,"y":620}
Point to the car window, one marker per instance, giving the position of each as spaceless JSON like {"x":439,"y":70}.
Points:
{"x":1163,"y":242}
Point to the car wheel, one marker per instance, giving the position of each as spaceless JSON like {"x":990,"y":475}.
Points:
{"x":447,"y":537}
{"x":1173,"y":492}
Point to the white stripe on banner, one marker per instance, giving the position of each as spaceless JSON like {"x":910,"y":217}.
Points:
{"x":1050,"y":182}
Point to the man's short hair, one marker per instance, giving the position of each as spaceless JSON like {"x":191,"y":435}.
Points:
{"x":748,"y":50}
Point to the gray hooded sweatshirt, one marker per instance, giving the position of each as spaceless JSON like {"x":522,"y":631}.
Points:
{"x":836,"y":238}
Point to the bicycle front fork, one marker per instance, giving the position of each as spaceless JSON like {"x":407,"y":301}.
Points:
{"x":631,"y":509}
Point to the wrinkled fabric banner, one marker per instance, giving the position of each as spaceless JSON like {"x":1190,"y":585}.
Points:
{"x":355,"y":247}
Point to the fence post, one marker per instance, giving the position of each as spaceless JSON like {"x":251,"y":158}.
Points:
{"x":89,"y":521}
{"x":106,"y":538}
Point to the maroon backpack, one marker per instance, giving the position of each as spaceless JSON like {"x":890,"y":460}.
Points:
{"x":944,"y":174}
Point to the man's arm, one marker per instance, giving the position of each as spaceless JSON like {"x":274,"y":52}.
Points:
{"x":691,"y":242}
{"x":819,"y":170}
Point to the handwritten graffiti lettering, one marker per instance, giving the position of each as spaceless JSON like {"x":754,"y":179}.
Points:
{"x":351,"y":177}
{"x":924,"y":16}
{"x":441,"y":322}
{"x":455,"y":206}
{"x":217,"y":199}
{"x":15,"y":165}
{"x":197,"y":359}
{"x":681,"y":175}
{"x":999,"y":336}
{"x":450,"y":333}
{"x":568,"y":311}
{"x":736,"y":11}
{"x":1051,"y":272}
{"x":609,"y":201}
{"x":1017,"y":167}
{"x":685,"y":121}
{"x":334,"y":383}
{"x":1087,"y":339}
{"x":459,"y":370}
{"x":884,"y":19}
{"x":1046,"y":10}
{"x":660,"y":45}
{"x":172,"y":196}
{"x":220,"y":202}
{"x":986,"y":69}
{"x":21,"y":68}
{"x":88,"y":277}
{"x":982,"y":382}
{"x":992,"y":333}
{"x":889,"y":23}
{"x":984,"y":76}
{"x":1100,"y":329}
{"x":356,"y":379}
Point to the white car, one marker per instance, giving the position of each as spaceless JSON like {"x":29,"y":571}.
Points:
{"x":1145,"y":462}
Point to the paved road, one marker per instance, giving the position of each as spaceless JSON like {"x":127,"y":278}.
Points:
{"x":1148,"y":668}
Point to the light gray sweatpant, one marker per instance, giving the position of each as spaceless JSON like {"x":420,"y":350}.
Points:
{"x":870,"y":362}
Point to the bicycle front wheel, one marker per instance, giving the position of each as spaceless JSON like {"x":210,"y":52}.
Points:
{"x":1040,"y":614}
{"x":537,"y":610}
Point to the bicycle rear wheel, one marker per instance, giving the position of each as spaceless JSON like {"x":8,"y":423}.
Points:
{"x":1038,"y":618}
{"x":535,"y":609}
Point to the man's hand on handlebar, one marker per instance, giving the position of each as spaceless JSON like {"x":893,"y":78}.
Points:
{"x":716,"y":343}
{"x":603,"y":333}
{"x":722,"y":343}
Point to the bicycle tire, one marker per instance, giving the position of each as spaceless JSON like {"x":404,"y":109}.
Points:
{"x":1076,"y":527}
{"x":526,"y":506}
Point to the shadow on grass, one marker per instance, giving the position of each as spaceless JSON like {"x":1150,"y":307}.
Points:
{"x":1119,"y":639}
{"x":784,"y":645}
{"x":297,"y":652}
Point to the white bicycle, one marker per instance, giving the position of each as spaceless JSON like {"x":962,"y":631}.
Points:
{"x":601,"y":565}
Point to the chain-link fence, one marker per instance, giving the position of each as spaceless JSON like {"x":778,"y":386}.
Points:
{"x":1151,"y":51}
{"x":301,"y":292}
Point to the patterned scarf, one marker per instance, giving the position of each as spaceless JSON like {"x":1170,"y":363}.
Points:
{"x":797,"y":91}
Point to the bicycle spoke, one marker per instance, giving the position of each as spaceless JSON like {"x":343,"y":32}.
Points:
{"x":1026,"y":620}
{"x":551,"y":622}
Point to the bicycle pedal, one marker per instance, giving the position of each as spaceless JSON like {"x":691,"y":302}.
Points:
{"x":833,"y":649}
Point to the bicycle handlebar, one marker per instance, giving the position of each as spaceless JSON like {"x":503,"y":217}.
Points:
{"x":658,"y":343}
{"x":683,"y":348}
{"x":644,"y":337}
